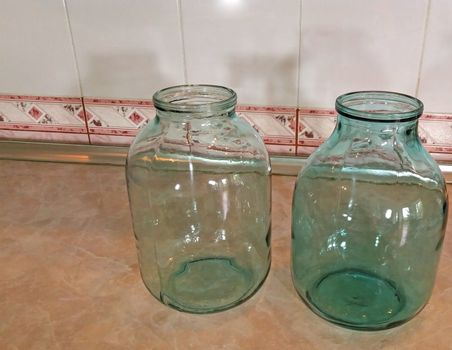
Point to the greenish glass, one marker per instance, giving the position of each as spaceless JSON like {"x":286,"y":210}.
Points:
{"x":369,"y":216}
{"x":199,"y":189}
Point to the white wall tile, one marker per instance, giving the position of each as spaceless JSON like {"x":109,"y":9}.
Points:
{"x":35,"y":49}
{"x":435,"y":88}
{"x":126,"y":49}
{"x":248,"y":45}
{"x":352,"y":45}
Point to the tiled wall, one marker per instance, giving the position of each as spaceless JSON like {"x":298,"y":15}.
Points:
{"x":84,"y":71}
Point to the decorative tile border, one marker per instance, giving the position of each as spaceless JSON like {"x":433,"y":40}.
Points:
{"x":276,"y":126}
{"x":57,"y":119}
{"x":116,"y":122}
{"x":285,"y":130}
{"x":112,"y":117}
{"x":435,"y":131}
{"x":315,"y":126}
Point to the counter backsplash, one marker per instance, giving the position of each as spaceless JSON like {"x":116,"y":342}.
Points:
{"x":285,"y":130}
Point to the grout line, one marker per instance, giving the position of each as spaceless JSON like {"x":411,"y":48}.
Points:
{"x":182,"y":39}
{"x":74,"y":53}
{"x":297,"y":111}
{"x":421,"y":59}
{"x":299,"y":53}
{"x":297,"y":121}
{"x":77,"y":69}
{"x":86,"y":120}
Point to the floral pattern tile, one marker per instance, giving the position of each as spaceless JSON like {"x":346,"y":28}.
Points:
{"x":42,"y":118}
{"x":276,"y":126}
{"x":117,"y":117}
{"x":435,"y":132}
{"x":314,"y":127}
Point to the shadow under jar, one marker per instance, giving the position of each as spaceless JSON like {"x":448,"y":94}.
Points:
{"x":199,"y":188}
{"x":369,"y":216}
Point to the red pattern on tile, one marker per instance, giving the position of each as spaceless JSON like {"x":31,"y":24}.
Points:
{"x":96,"y":122}
{"x":84,"y":115}
{"x":35,"y":113}
{"x":136,"y":118}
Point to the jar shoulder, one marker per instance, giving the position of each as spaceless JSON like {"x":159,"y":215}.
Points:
{"x":347,"y":159}
{"x":222,"y":142}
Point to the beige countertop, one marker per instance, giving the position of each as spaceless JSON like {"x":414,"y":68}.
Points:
{"x":69,"y":278}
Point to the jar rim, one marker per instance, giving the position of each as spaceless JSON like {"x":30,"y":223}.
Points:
{"x":195,"y":99}
{"x":379,"y":106}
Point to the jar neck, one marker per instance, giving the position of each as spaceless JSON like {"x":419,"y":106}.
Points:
{"x":194,"y":102}
{"x":386,"y":114}
{"x":379,"y":107}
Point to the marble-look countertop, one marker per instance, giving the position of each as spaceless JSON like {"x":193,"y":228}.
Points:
{"x":69,"y":278}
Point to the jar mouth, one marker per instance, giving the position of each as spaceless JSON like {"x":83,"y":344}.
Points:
{"x":379,"y":106}
{"x":196,"y":99}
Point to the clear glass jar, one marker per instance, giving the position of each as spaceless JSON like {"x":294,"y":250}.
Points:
{"x":199,"y":188}
{"x":369,"y":216}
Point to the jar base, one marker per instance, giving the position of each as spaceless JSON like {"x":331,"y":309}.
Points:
{"x":208,"y":285}
{"x":356,"y":299}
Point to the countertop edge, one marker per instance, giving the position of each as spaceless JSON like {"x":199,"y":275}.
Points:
{"x":116,"y":155}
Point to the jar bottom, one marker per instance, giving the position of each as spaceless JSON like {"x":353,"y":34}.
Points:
{"x":357,"y":299}
{"x":208,"y":285}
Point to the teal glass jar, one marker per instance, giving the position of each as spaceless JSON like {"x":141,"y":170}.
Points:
{"x":369,"y":216}
{"x":199,"y":189}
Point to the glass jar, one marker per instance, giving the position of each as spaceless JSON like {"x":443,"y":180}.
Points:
{"x":199,"y":188}
{"x":369,"y":216}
